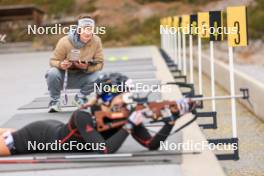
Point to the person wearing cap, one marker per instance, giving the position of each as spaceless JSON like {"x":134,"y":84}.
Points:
{"x":82,"y":72}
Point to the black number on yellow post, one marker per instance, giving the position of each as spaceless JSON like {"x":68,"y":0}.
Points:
{"x":194,"y":24}
{"x":216,"y":25}
{"x":203,"y":24}
{"x":237,"y":26}
{"x":176,"y":22}
{"x":237,"y":40}
{"x":215,"y":31}
{"x":204,"y":29}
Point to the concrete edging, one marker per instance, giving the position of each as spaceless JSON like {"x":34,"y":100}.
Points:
{"x":242,"y":80}
{"x":205,"y":163}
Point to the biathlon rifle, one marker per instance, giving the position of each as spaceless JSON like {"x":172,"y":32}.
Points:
{"x":154,"y":110}
{"x":157,"y":111}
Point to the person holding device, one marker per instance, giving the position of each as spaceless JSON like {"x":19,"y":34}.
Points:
{"x":75,"y":63}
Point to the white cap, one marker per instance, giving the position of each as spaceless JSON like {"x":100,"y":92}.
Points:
{"x":86,"y":22}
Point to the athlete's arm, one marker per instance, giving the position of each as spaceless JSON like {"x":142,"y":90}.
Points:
{"x":92,"y":101}
{"x":142,"y":135}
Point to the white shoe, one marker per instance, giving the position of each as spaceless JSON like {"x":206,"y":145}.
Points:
{"x":54,"y":106}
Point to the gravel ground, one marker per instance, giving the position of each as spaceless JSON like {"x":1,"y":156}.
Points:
{"x":250,"y":132}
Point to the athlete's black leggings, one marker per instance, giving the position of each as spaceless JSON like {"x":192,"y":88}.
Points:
{"x":35,"y":132}
{"x":81,"y":128}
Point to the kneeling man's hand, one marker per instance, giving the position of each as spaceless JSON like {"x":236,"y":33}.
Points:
{"x":65,"y":64}
{"x":81,"y":65}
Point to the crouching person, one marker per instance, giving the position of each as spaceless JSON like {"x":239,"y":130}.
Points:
{"x":80,"y":54}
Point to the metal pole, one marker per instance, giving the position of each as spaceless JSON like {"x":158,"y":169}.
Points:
{"x":191,"y":58}
{"x":179,"y":50}
{"x":166,"y":40}
{"x":169,"y":43}
{"x":167,"y":31}
{"x":212,"y":74}
{"x":184,"y":53}
{"x":162,"y":40}
{"x":232,"y":91}
{"x":200,"y":80}
{"x":175,"y":48}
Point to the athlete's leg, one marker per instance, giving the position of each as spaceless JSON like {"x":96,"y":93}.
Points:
{"x":36,"y":132}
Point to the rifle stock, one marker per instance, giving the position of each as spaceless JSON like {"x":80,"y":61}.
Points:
{"x":109,"y":120}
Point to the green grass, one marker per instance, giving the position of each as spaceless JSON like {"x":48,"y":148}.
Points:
{"x":186,"y":1}
{"x":255,"y":20}
{"x":89,"y":6}
{"x":56,"y":7}
{"x":135,"y":32}
{"x":149,"y":1}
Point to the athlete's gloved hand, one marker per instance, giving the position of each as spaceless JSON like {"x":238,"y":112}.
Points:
{"x":185,"y":105}
{"x":168,"y":116}
{"x":136,"y":118}
{"x":85,"y":106}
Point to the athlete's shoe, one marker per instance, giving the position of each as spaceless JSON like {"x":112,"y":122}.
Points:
{"x":79,"y":101}
{"x":54,"y":106}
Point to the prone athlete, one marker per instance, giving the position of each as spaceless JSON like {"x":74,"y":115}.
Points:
{"x":82,"y":125}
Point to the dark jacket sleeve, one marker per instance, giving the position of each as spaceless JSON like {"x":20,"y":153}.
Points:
{"x":141,"y":134}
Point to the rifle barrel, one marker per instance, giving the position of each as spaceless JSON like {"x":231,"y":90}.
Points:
{"x":225,"y":97}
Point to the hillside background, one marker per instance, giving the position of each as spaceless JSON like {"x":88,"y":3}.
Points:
{"x":128,"y":22}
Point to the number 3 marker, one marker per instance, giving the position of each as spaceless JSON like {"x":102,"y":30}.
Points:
{"x":237,"y":19}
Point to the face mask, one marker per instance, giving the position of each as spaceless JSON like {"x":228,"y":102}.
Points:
{"x":107,"y":97}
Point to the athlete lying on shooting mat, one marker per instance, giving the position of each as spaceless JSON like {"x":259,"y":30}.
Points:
{"x":88,"y":127}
